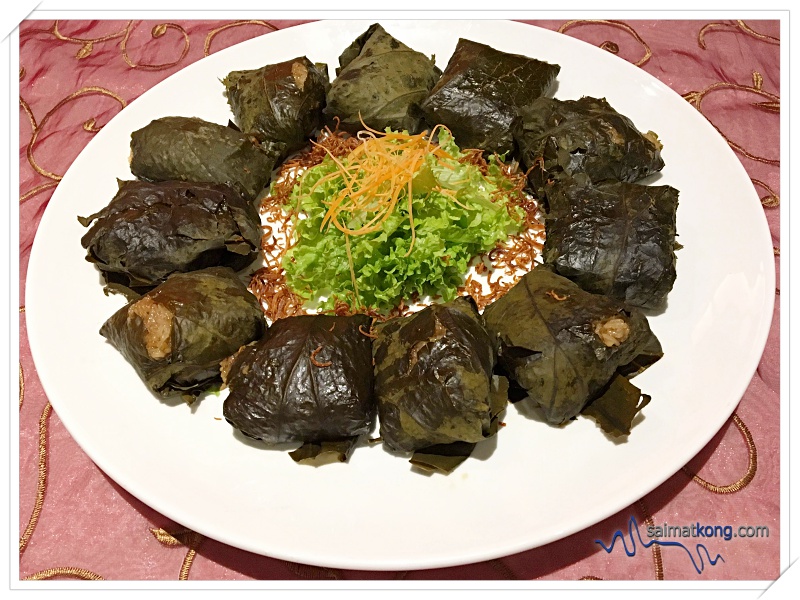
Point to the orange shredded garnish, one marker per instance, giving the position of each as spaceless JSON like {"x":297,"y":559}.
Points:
{"x":377,"y":173}
{"x":556,"y":296}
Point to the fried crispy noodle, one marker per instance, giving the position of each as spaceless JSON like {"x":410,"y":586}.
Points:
{"x":317,"y":363}
{"x":268,"y":284}
{"x":335,"y":142}
{"x":369,"y":333}
{"x":474,"y":156}
{"x":505,"y":265}
{"x":343,"y":309}
{"x":277,"y":300}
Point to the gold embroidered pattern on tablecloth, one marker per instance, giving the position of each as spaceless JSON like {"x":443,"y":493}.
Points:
{"x":21,"y":384}
{"x":658,"y":562}
{"x":38,"y":128}
{"x":751,"y":467}
{"x":34,"y":126}
{"x":770,"y":201}
{"x":86,"y":48}
{"x":773,"y":105}
{"x":28,"y":112}
{"x":87,"y":44}
{"x":157,"y":32}
{"x":71,"y":572}
{"x":312,"y":572}
{"x":608,"y":45}
{"x":183,"y":537}
{"x":41,"y":486}
{"x":90,"y":125}
{"x":503,"y":569}
{"x":21,"y":373}
{"x":38,"y":189}
{"x":739,"y":27}
{"x":213,"y":33}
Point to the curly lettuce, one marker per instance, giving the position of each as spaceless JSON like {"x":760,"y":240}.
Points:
{"x":458,"y":213}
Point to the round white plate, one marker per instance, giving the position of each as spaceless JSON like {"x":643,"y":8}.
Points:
{"x":530,"y":485}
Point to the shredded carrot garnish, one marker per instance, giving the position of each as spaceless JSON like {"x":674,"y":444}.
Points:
{"x":377,"y":173}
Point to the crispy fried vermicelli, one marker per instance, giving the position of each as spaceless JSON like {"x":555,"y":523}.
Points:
{"x":268,"y":284}
{"x":517,"y":255}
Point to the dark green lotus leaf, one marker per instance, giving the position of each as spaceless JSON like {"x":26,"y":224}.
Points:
{"x":615,"y":408}
{"x":443,"y":458}
{"x":150,"y":230}
{"x":433,"y":378}
{"x":382,"y":80}
{"x":320,"y":453}
{"x":176,"y":335}
{"x":482,"y":91}
{"x":558,"y":138}
{"x":309,"y":379}
{"x":649,"y":354}
{"x":191,"y":149}
{"x":562,"y":344}
{"x":123,"y":290}
{"x":616,"y":239}
{"x":282,"y":102}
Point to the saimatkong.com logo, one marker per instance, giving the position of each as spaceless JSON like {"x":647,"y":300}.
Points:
{"x":698,"y":530}
{"x":664,"y":535}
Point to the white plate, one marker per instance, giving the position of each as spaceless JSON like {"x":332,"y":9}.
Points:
{"x":532,"y":484}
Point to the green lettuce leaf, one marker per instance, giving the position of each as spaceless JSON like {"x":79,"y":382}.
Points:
{"x":448,"y":234}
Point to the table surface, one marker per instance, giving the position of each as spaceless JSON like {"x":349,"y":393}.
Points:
{"x":76,"y":523}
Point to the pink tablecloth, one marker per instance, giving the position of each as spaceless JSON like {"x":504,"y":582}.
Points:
{"x":76,"y":523}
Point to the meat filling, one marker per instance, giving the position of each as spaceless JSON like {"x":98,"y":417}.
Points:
{"x":613,"y":331}
{"x":157,"y":322}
